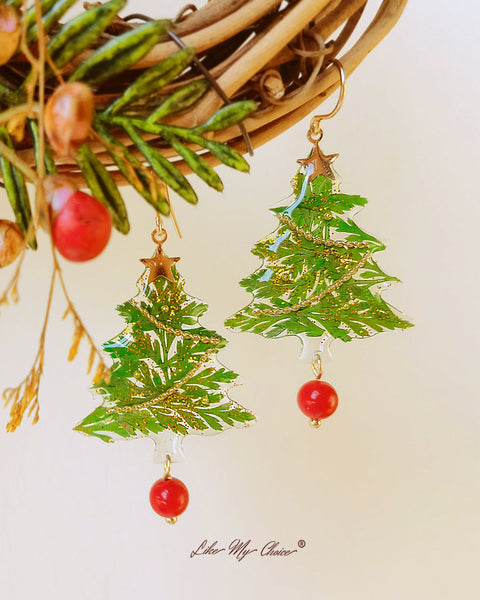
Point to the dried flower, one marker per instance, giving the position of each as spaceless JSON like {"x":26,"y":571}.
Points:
{"x":11,"y":242}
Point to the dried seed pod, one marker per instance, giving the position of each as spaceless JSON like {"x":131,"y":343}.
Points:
{"x":68,"y":116}
{"x":9,"y":33}
{"x":11,"y":242}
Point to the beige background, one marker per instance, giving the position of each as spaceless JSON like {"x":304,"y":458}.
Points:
{"x":386,"y":493}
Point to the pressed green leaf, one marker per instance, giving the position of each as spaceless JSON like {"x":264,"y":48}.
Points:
{"x":163,"y":168}
{"x":321,"y":188}
{"x":153,"y":79}
{"x":227,"y":116}
{"x":128,"y":162}
{"x":103,"y":187}
{"x":149,"y":363}
{"x":356,"y":234}
{"x":183,"y":98}
{"x":16,"y":189}
{"x":120,"y":53}
{"x":298,"y":267}
{"x":79,"y":33}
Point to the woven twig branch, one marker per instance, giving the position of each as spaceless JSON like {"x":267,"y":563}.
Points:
{"x":249,"y":45}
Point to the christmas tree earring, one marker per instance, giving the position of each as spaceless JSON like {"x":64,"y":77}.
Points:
{"x":319,"y":278}
{"x":165,"y":381}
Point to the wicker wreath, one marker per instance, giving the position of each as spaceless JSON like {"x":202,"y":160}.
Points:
{"x":272,"y":51}
{"x":273,"y":54}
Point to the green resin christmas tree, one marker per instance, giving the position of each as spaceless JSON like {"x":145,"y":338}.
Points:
{"x":319,"y":277}
{"x":164,"y":375}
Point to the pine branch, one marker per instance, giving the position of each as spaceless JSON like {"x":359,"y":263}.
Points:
{"x":145,"y":103}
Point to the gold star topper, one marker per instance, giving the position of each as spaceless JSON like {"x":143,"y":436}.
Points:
{"x":160,"y":265}
{"x":320,"y":163}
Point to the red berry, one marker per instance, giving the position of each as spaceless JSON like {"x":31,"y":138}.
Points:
{"x":317,"y":399}
{"x":82,"y":228}
{"x":169,"y":497}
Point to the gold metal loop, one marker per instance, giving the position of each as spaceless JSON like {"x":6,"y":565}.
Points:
{"x":317,"y":365}
{"x":159,"y":237}
{"x":159,"y":234}
{"x":315,"y":132}
{"x":167,"y":467}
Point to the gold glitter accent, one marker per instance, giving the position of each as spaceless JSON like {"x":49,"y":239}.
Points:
{"x":169,"y":392}
{"x":316,"y":240}
{"x":176,"y":332}
{"x":317,"y":297}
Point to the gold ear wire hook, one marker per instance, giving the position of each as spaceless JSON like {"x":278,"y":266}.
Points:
{"x":341,"y":96}
{"x":315,"y":132}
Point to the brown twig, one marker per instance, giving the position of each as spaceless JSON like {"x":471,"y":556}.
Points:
{"x":80,"y":332}
{"x":25,"y":395}
{"x":11,"y":291}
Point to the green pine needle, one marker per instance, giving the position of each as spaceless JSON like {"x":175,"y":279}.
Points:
{"x":141,"y":107}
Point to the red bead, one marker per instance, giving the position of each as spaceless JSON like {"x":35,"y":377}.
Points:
{"x":317,"y":399}
{"x":82,"y":228}
{"x":169,"y":497}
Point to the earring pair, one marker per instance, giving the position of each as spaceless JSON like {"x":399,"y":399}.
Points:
{"x":318,"y":279}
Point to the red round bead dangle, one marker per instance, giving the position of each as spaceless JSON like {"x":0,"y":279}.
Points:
{"x":317,"y":399}
{"x":169,"y":496}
